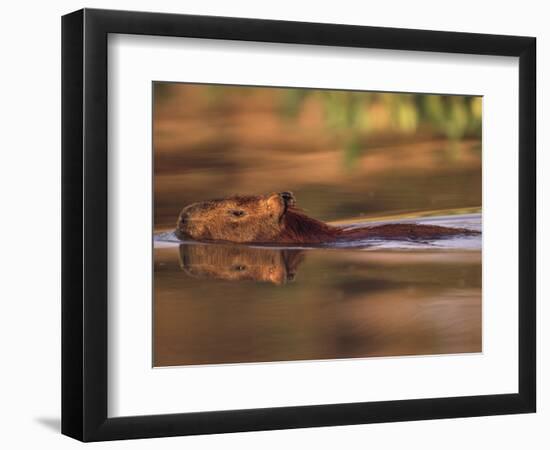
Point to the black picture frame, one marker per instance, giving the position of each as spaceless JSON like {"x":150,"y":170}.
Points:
{"x":84,"y":224}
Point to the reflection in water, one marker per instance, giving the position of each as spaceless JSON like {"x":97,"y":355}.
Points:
{"x":344,"y":303}
{"x":239,"y":263}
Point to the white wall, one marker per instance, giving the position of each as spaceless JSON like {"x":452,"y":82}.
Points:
{"x":30,"y":223}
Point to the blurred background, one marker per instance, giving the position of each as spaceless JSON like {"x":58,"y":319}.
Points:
{"x":344,"y":154}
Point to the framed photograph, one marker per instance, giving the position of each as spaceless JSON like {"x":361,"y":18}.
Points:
{"x":273,"y":224}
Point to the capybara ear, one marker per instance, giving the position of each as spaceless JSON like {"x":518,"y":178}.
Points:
{"x":289,"y":198}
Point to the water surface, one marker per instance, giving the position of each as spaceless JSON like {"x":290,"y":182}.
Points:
{"x":223,"y":303}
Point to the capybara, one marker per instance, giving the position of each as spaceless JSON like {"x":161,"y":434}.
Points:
{"x":274,"y":218}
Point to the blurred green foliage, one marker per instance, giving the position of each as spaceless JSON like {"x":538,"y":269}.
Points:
{"x":352,"y":117}
{"x":451,"y":116}
{"x":355,"y":115}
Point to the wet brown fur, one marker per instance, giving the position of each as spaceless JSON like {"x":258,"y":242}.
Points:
{"x":275,"y":219}
{"x":299,"y":228}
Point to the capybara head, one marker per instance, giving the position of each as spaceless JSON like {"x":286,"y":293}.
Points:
{"x":239,"y":263}
{"x":255,"y":218}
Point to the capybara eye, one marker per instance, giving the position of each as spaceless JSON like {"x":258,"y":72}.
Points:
{"x":239,"y":268}
{"x":237,"y":212}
